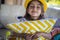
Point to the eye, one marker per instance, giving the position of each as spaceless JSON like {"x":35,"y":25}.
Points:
{"x":38,"y":7}
{"x":31,"y":6}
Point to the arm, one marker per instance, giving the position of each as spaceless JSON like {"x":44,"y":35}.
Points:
{"x":23,"y":35}
{"x":46,"y":35}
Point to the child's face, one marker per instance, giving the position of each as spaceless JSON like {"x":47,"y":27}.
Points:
{"x":34,"y":9}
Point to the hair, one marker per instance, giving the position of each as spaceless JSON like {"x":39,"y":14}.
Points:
{"x":28,"y":17}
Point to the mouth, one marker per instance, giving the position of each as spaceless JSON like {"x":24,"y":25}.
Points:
{"x":34,"y":12}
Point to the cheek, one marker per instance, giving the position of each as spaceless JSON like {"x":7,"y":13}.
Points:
{"x":39,"y":11}
{"x":29,"y":11}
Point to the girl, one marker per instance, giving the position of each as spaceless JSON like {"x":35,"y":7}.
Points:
{"x":35,"y":11}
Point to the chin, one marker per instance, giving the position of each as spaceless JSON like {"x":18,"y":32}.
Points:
{"x":34,"y":15}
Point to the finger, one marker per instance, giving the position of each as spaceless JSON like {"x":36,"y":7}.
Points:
{"x":32,"y":39}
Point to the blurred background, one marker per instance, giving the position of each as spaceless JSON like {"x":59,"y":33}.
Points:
{"x":11,"y":9}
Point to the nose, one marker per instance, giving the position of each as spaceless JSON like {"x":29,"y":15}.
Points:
{"x":34,"y":9}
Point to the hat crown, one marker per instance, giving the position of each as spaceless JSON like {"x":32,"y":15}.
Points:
{"x":42,"y":1}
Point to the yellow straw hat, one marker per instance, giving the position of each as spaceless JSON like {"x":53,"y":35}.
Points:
{"x":42,"y":1}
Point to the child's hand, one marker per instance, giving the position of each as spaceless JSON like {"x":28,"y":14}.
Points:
{"x":36,"y":35}
{"x":29,"y":37}
{"x":54,"y":32}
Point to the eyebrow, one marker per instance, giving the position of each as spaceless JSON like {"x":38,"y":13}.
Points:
{"x":33,"y":4}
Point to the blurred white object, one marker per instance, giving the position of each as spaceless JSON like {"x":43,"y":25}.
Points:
{"x":10,"y":2}
{"x":9,"y":13}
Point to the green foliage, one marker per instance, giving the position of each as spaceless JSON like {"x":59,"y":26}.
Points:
{"x":47,"y":0}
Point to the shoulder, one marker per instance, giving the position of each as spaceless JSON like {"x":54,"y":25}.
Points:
{"x":21,"y":19}
{"x":46,"y":18}
{"x":57,"y":24}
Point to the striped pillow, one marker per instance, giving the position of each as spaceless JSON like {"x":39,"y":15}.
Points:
{"x":44,"y":25}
